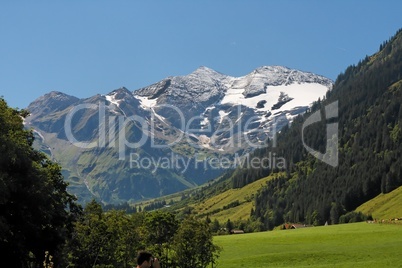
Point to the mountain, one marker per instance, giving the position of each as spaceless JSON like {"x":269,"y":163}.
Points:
{"x":172,"y":135}
{"x":359,"y":124}
{"x":210,"y":104}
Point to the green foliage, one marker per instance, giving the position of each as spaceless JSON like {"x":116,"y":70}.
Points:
{"x":155,"y":205}
{"x":336,"y":211}
{"x":193,"y":245}
{"x":354,"y":216}
{"x":110,"y":239}
{"x":36,"y":211}
{"x":123,"y":206}
{"x":395,"y":133}
{"x":229,"y":226}
{"x":215,"y":226}
{"x":104,"y":239}
{"x":232,"y":204}
{"x":159,"y":229}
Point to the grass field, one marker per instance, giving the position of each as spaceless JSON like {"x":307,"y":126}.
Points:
{"x":384,"y":206}
{"x":245,"y":196}
{"x":345,"y":245}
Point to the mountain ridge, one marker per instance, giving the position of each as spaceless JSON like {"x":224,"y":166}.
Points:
{"x":202,"y":69}
{"x":204,"y":114}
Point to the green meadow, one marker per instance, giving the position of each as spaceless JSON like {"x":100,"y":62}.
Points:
{"x":344,"y":245}
{"x":384,"y":206}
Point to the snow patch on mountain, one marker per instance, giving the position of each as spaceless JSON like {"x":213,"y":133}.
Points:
{"x":222,"y":115}
{"x":302,"y":94}
{"x":119,"y":99}
{"x":112,"y":99}
{"x":146,"y":102}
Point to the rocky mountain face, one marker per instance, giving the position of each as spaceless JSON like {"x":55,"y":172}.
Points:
{"x":175,"y":134}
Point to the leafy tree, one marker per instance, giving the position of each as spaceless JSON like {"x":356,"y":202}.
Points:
{"x":87,"y":246}
{"x":229,"y":225}
{"x":354,"y":217}
{"x":36,"y":211}
{"x":215,"y":226}
{"x":336,"y":211}
{"x":110,"y":239}
{"x":316,"y":218}
{"x":193,"y":246}
{"x":125,"y":239}
{"x":104,"y":239}
{"x":160,"y":227}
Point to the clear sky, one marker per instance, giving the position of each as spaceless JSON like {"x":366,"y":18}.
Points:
{"x":83,"y":47}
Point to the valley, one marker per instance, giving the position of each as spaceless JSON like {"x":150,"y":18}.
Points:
{"x":200,"y":134}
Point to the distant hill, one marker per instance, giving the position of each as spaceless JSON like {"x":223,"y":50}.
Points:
{"x":384,"y":206}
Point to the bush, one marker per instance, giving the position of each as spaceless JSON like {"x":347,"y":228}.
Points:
{"x":354,"y":216}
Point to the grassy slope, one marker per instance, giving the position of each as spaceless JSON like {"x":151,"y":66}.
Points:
{"x":346,"y":245}
{"x":212,"y":205}
{"x":244,"y":195}
{"x":384,"y":206}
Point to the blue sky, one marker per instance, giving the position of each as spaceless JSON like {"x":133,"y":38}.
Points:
{"x":87,"y":47}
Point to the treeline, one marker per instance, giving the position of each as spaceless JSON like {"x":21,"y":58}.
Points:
{"x":126,"y":207}
{"x":112,"y":238}
{"x":155,"y":205}
{"x":370,"y":148}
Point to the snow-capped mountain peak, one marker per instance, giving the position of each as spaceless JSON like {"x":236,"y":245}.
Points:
{"x":207,"y":85}
{"x":203,"y":72}
{"x":268,"y":94}
{"x":118,"y":95}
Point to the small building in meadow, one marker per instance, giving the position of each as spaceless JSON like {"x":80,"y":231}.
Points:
{"x":288,"y":226}
{"x":236,"y":231}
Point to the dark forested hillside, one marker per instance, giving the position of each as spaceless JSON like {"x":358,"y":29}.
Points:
{"x":370,"y":149}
